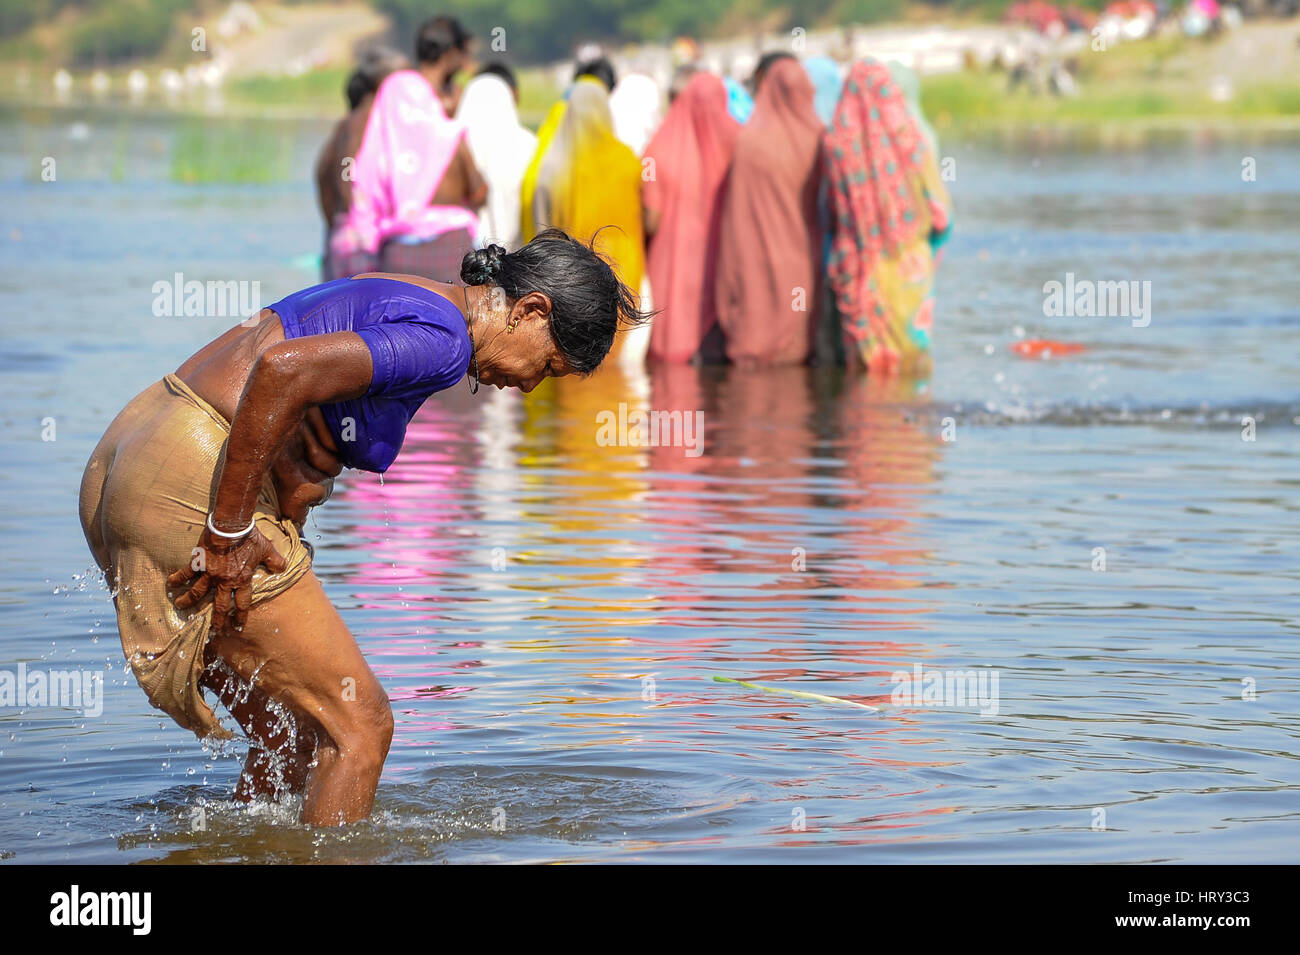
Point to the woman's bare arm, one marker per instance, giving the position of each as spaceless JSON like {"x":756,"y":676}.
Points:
{"x":287,"y":379}
{"x":462,"y":184}
{"x":326,"y":183}
{"x":476,"y":189}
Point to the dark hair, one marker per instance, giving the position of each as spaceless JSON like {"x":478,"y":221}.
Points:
{"x":587,"y":299}
{"x":764,"y":64}
{"x":373,"y":68}
{"x":681,"y":78}
{"x":438,"y":37}
{"x":600,"y":68}
{"x":357,"y":87}
{"x":500,"y":69}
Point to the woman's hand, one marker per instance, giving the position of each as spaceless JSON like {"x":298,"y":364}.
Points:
{"x":229,"y":567}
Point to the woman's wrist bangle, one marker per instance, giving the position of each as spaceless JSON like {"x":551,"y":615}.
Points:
{"x":228,"y":535}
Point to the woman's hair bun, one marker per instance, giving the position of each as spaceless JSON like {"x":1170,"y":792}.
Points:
{"x":482,"y":266}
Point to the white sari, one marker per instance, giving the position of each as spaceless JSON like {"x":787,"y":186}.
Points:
{"x":501,"y":148}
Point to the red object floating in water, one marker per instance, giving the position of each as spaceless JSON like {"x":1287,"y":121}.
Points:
{"x":1045,"y":348}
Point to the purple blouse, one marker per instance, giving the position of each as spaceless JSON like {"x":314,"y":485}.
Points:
{"x":418,"y":344}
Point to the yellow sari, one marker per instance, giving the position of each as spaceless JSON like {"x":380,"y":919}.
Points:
{"x":528,"y":189}
{"x":588,"y":180}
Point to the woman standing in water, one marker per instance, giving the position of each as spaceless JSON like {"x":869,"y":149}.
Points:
{"x":414,"y":182}
{"x":206,"y":478}
{"x":889,"y":209}
{"x":501,"y":147}
{"x":770,"y":243}
{"x":691,"y":153}
{"x":589,"y":180}
{"x":333,"y":176}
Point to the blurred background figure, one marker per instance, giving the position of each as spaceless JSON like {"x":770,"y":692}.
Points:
{"x":681,"y":76}
{"x":682,"y":195}
{"x":740,"y":103}
{"x":333,"y":172}
{"x":768,"y":286}
{"x":887,"y":205}
{"x":442,"y":48}
{"x":598,"y":68}
{"x":415,"y":184}
{"x":637,"y":109}
{"x":588,"y":181}
{"x":501,"y":148}
{"x":825,"y":75}
{"x":907,"y":81}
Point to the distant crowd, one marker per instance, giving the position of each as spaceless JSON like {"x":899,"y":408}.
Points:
{"x":797,"y":217}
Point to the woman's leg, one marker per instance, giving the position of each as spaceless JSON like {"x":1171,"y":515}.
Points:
{"x":283,"y":742}
{"x":297,"y":651}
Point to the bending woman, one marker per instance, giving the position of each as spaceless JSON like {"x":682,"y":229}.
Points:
{"x":203,"y":482}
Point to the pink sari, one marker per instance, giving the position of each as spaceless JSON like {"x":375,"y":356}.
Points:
{"x":408,"y":145}
{"x":692,"y":151}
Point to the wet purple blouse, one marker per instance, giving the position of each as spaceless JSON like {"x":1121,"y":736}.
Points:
{"x":418,"y":344}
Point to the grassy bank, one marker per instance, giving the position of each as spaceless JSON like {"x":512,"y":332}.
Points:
{"x":1164,"y":82}
{"x":320,"y":93}
{"x":969,"y":101}
{"x":1167,"y":81}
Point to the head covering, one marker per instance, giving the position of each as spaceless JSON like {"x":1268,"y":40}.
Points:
{"x":691,"y":154}
{"x":501,"y":148}
{"x":886,"y":198}
{"x":825,"y":75}
{"x":588,"y":180}
{"x":769,"y":249}
{"x":408,"y":145}
{"x":528,"y":188}
{"x":739,"y":103}
{"x":911,"y":86}
{"x":637,"y":110}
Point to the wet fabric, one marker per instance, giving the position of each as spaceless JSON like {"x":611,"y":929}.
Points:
{"x":408,"y":145}
{"x":145,"y":497}
{"x":502,"y":149}
{"x":886,"y":202}
{"x":768,"y":286}
{"x":691,"y":153}
{"x":418,"y":342}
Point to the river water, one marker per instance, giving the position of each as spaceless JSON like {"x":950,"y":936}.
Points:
{"x":1104,"y":542}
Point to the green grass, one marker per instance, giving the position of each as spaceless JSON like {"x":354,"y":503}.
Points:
{"x":319,"y":91}
{"x":537,"y":93}
{"x":965,"y":100}
{"x":220,"y":151}
{"x":1158,"y":80}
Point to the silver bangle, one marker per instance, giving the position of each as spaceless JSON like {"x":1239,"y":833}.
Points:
{"x":235,"y":536}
